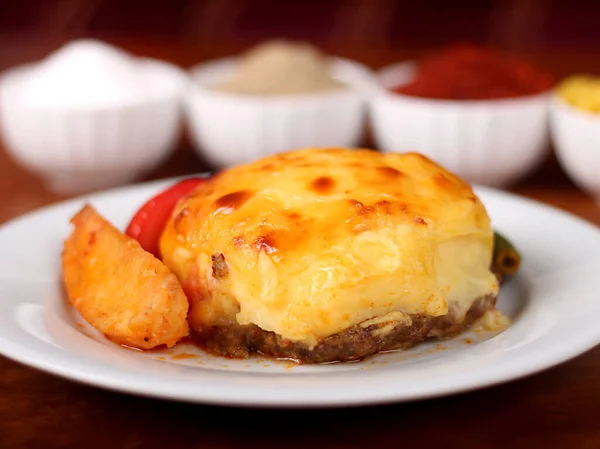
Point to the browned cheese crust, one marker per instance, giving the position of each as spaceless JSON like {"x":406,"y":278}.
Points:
{"x":328,"y":254}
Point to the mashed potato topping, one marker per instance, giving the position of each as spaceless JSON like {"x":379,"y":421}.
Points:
{"x":309,"y":243}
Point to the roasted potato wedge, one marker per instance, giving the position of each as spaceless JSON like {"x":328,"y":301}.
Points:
{"x":120,"y":289}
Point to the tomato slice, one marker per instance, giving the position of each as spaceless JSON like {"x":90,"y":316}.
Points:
{"x":148,"y":223}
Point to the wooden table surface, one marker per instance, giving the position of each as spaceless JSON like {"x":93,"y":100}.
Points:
{"x":558,"y":408}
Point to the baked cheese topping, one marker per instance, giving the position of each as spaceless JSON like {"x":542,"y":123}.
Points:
{"x":317,"y":240}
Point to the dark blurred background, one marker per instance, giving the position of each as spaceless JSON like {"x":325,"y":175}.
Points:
{"x":561,"y":35}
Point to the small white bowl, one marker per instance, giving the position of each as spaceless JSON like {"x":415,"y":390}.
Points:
{"x":576,"y":138}
{"x":228,"y":128}
{"x":76,"y":149}
{"x":491,"y":142}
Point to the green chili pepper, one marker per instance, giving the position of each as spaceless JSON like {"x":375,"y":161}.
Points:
{"x":506,"y":259}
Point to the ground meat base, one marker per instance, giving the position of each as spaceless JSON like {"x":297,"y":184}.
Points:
{"x":355,"y":343}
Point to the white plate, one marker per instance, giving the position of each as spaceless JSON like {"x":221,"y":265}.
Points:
{"x":554,"y":302}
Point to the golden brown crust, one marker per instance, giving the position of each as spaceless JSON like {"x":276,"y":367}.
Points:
{"x":120,"y":289}
{"x":318,"y":240}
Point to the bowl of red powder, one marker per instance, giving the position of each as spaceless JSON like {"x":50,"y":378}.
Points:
{"x":479,"y":112}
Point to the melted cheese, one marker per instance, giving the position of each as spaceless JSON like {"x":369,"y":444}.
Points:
{"x":386,"y":323}
{"x":318,"y":240}
{"x":492,"y":320}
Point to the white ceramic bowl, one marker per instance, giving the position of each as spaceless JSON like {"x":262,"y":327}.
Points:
{"x":77,"y":149}
{"x":576,"y":138}
{"x":228,"y":128}
{"x":492,"y":143}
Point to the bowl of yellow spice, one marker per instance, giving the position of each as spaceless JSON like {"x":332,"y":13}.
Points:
{"x":278,"y":96}
{"x":575,"y":130}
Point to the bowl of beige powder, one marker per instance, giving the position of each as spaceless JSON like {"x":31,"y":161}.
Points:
{"x":278,"y":96}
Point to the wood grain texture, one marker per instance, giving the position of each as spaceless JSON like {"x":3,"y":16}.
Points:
{"x":558,"y":408}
